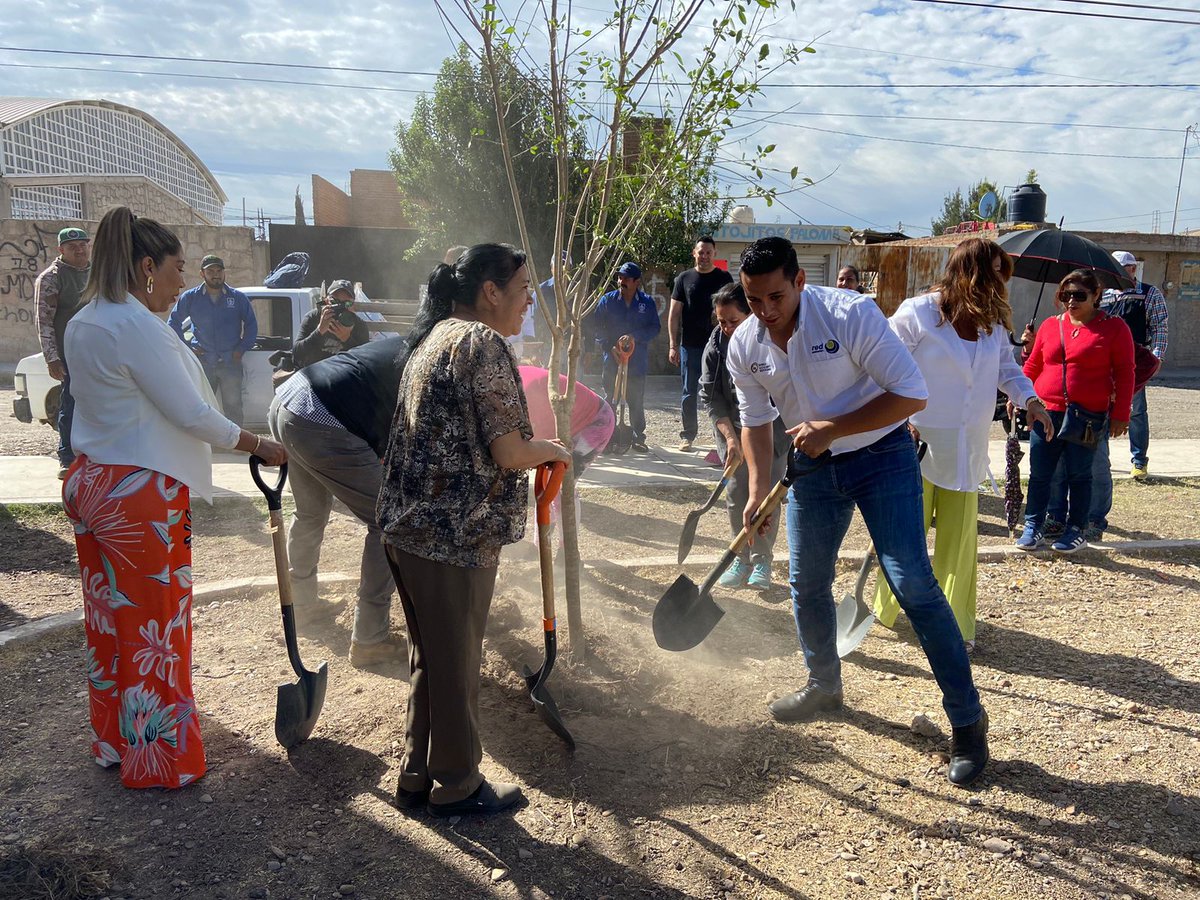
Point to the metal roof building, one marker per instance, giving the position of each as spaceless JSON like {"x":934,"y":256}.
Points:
{"x":72,"y":159}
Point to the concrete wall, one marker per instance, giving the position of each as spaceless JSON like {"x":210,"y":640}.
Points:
{"x":27,"y":246}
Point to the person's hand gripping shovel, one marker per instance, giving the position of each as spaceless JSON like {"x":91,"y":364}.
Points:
{"x":547,"y":482}
{"x":686,"y":613}
{"x":297,"y":705}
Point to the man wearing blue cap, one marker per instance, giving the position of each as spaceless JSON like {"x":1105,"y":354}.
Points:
{"x":224,"y":327}
{"x":628,"y":311}
{"x":57,"y":297}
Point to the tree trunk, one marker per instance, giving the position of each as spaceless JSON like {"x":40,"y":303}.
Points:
{"x":576,"y":649}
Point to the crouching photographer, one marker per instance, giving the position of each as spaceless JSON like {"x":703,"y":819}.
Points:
{"x":334,"y":417}
{"x":330,"y":328}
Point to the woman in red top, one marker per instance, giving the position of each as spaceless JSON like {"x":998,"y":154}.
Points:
{"x":1099,"y":377}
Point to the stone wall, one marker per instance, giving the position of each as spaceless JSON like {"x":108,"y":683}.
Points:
{"x":141,"y":195}
{"x":27,"y":246}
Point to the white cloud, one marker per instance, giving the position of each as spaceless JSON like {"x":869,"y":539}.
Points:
{"x":264,"y":139}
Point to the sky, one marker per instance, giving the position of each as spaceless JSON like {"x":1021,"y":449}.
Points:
{"x":864,"y":113}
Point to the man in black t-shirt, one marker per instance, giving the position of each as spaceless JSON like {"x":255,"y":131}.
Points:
{"x":689,"y":324}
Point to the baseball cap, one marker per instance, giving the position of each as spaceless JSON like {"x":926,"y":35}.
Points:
{"x":212,"y":260}
{"x":630,"y":270}
{"x":1125,"y":258}
{"x":340,"y":285}
{"x":72,"y":234}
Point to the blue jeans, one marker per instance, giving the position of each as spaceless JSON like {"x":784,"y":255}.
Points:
{"x":226,"y":380}
{"x":1139,"y":431}
{"x":884,"y":482}
{"x":66,"y":412}
{"x":690,"y":359}
{"x":635,"y":397}
{"x":1102,"y":489}
{"x":1044,"y":457}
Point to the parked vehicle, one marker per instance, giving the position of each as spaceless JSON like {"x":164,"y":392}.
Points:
{"x":279,"y":313}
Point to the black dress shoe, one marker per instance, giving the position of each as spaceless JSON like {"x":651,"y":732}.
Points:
{"x":488,"y":798}
{"x":411,"y":799}
{"x":968,"y":752}
{"x":805,"y":705}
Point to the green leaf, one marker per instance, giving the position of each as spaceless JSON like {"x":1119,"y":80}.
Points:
{"x":808,"y":50}
{"x":763,"y":52}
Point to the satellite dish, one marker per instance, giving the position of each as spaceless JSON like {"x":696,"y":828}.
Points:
{"x":988,"y":204}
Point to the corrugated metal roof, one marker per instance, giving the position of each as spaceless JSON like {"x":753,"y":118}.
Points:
{"x":13,"y":109}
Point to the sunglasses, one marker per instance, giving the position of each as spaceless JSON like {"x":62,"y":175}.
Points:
{"x":1075,"y":296}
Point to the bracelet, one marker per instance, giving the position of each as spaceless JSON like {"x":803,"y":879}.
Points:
{"x":257,"y":444}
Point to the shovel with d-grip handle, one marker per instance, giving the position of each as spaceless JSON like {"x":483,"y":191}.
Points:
{"x":622,"y":436}
{"x":298,"y":705}
{"x":546,"y":483}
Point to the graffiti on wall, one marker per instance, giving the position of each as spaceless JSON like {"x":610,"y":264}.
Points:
{"x":21,"y":261}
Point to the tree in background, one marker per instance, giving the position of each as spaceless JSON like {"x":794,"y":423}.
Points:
{"x":300,"y":218}
{"x":605,"y":80}
{"x":450,"y":164}
{"x":957,"y":209}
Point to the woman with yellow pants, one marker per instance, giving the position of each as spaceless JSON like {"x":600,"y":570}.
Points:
{"x":958,"y":334}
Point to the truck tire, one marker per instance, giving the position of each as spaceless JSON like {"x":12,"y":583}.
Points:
{"x":53,"y":401}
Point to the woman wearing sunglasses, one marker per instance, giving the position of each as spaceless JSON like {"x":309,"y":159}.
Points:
{"x":1082,"y":356}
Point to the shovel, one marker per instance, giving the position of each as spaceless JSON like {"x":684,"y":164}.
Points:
{"x":298,"y":705}
{"x":854,"y":616}
{"x":688,"y":536}
{"x":622,"y":436}
{"x":686,"y":614}
{"x":546,"y":484}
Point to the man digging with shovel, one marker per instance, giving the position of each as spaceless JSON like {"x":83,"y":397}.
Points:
{"x":827,"y":363}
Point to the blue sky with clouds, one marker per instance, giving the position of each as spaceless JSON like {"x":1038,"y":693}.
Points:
{"x":880,"y":144}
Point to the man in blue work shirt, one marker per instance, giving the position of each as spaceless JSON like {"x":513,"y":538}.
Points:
{"x":628,"y":311}
{"x":223,"y":328}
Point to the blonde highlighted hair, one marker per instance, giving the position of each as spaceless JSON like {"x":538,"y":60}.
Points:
{"x":122,"y":241}
{"x":973,"y":292}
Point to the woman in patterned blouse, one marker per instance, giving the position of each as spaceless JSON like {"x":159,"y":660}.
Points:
{"x":454,"y":492}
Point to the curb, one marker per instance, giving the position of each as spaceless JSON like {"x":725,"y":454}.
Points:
{"x":206,"y":594}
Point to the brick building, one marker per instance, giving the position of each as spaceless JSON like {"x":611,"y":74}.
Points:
{"x":373,"y":201}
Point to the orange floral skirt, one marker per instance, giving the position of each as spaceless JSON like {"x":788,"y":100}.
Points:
{"x":133,"y":531}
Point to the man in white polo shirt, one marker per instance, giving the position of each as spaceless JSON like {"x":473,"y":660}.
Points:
{"x":827,"y":362}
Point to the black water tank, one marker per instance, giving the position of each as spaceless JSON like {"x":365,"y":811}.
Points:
{"x":1027,"y":204}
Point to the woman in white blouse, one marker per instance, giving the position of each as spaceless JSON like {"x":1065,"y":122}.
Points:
{"x":959,"y":337}
{"x":142,"y":447}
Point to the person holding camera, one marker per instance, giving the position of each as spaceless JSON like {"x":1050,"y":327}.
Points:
{"x":330,"y":328}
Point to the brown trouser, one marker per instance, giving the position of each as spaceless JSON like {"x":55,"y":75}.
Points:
{"x":446,"y":608}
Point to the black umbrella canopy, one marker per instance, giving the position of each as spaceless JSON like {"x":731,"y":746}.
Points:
{"x":1048,"y":255}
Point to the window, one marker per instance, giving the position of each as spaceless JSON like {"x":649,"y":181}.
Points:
{"x":275,"y":326}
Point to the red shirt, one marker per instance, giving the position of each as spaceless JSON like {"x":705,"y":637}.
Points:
{"x":1099,"y":363}
{"x":541,"y":415}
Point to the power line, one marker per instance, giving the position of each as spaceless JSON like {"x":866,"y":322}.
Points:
{"x":1142,"y":6}
{"x":767,"y":113}
{"x":1059,"y":12}
{"x":877,"y":137}
{"x":413,"y":73}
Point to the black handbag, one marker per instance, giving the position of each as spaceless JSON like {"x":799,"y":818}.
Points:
{"x":1079,"y":426}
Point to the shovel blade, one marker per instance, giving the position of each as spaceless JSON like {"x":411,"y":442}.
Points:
{"x":621,"y":440}
{"x":546,"y":708}
{"x":684,"y":616}
{"x":298,"y":705}
{"x":687,"y":536}
{"x":854,"y":620}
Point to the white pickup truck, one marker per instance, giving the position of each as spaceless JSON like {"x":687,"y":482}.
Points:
{"x":279,"y":313}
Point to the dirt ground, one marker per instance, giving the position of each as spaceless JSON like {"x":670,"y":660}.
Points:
{"x":681,"y":785}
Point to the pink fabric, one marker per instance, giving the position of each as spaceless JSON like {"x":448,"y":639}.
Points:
{"x":535,"y":381}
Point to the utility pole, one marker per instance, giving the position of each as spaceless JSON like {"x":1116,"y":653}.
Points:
{"x":1187,"y":136}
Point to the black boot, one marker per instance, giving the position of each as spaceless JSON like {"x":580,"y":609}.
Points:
{"x":804,"y":705}
{"x":968,"y":752}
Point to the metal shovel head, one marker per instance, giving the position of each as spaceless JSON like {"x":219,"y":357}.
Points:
{"x":546,"y":708}
{"x":687,"y":536}
{"x":621,"y":440}
{"x":298,"y":705}
{"x":854,"y":620}
{"x":684,"y":617}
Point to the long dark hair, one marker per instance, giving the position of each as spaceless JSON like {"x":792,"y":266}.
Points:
{"x":459,"y":285}
{"x":732,"y":295}
{"x":122,"y":241}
